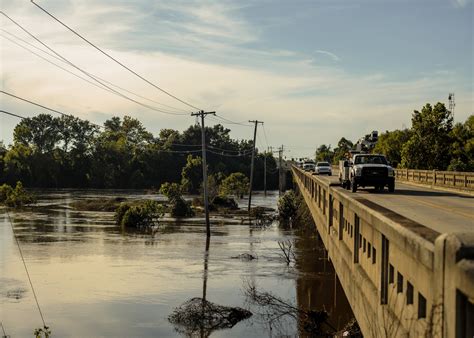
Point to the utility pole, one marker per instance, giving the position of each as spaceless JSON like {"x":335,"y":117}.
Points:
{"x":202,"y":114}
{"x":280,"y":169}
{"x":265,"y":174}
{"x":253,"y":160}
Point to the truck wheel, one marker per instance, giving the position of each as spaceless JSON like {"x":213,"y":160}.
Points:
{"x":353,"y":186}
{"x":391,"y":187}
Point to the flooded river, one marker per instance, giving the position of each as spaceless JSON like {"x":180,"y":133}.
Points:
{"x":93,"y":279}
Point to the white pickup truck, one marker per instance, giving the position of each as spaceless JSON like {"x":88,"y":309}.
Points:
{"x":367,"y":170}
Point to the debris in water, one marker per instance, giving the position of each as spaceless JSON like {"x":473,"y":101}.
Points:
{"x":200,"y":317}
{"x":245,"y":257}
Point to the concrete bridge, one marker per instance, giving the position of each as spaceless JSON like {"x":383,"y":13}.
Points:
{"x":405,"y":260}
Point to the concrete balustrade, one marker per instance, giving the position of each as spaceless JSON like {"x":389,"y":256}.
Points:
{"x":401,"y":278}
{"x":433,"y":178}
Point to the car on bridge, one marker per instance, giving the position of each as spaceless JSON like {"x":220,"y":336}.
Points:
{"x":323,"y":168}
{"x":309,"y":166}
{"x":371,"y":170}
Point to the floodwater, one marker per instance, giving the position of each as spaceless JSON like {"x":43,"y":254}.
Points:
{"x":93,"y":279}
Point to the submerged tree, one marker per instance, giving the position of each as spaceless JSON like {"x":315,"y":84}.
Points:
{"x":178,"y":206}
{"x":236,"y":184}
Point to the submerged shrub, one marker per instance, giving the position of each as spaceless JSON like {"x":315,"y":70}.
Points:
{"x":288,"y":205}
{"x":178,"y":206}
{"x":140,"y":215}
{"x":16,"y":197}
{"x":225,"y":202}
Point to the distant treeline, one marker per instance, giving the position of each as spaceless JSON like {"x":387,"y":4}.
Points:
{"x":433,"y":142}
{"x":66,"y":152}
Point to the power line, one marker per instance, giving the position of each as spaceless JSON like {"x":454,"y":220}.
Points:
{"x":230,"y":155}
{"x":42,"y":106}
{"x":112,"y":58}
{"x":232,"y":122}
{"x":240,"y":153}
{"x":3,"y":329}
{"x":160,"y":150}
{"x":26,"y":268}
{"x":265,"y":135}
{"x":88,"y":74}
{"x":78,"y":76}
{"x":11,"y":114}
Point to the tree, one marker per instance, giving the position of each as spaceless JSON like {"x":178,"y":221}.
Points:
{"x":179,"y":207}
{"x":429,"y":144}
{"x":191,"y":175}
{"x":324,"y":153}
{"x":236,"y":184}
{"x":39,"y":132}
{"x":391,"y":144}
{"x":462,"y":146}
{"x":343,"y":147}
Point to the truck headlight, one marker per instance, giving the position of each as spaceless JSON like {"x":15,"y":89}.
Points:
{"x":391,"y":172}
{"x":358,"y":171}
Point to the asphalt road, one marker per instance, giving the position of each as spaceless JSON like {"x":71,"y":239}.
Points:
{"x":439,"y":210}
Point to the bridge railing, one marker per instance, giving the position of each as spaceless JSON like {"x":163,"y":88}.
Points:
{"x":447,"y":179}
{"x":388,"y":265}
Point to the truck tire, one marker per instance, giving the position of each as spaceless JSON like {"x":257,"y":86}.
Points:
{"x":391,"y":187}
{"x":353,"y":186}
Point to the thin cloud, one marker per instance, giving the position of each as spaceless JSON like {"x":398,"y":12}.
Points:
{"x":333,"y":56}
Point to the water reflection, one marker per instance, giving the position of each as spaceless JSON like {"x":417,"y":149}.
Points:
{"x":96,"y":279}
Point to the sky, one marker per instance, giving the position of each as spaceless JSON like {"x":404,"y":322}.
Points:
{"x":313,"y":71}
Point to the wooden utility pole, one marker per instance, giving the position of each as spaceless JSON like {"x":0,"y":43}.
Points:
{"x":253,"y":160}
{"x":202,"y":114}
{"x":265,"y":174}
{"x":280,"y":169}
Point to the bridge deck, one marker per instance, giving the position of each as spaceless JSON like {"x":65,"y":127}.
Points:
{"x":439,"y":210}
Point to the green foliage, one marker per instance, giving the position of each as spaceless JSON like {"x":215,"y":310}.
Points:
{"x":429,"y":144}
{"x":181,"y":208}
{"x":236,"y":184}
{"x":462,"y":146}
{"x":171,"y":190}
{"x":16,"y":197}
{"x":343,"y":147}
{"x":140,"y":215}
{"x":66,"y":152}
{"x":324,"y":153}
{"x":178,"y":206}
{"x":191,"y":175}
{"x":225,"y":202}
{"x":288,"y":205}
{"x":391,"y":144}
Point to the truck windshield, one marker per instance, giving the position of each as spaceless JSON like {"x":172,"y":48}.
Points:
{"x":323,"y":164}
{"x":370,"y":160}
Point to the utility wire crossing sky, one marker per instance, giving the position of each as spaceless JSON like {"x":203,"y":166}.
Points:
{"x":313,"y":71}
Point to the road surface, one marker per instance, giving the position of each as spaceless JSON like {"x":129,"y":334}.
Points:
{"x":439,"y":210}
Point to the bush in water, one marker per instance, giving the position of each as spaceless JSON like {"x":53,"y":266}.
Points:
{"x":15,"y":197}
{"x":139,"y":215}
{"x":178,"y":206}
{"x":288,"y":205}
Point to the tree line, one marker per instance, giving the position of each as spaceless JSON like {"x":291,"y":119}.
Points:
{"x":67,"y":152}
{"x":432,"y":142}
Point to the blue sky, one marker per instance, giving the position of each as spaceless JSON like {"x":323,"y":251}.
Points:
{"x":314,"y":71}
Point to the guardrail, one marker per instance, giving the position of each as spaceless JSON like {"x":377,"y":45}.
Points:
{"x":445,"y":179}
{"x":401,"y":278}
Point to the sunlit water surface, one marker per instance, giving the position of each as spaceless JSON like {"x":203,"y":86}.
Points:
{"x":93,"y":279}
